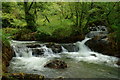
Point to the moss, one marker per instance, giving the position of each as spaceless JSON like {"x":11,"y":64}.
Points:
{"x":6,"y":55}
{"x":6,"y":76}
{"x":21,"y":76}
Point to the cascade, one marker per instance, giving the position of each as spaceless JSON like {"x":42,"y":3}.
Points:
{"x":83,"y":54}
{"x":31,"y":57}
{"x":83,"y":49}
{"x":63,"y":49}
{"x":22,"y":51}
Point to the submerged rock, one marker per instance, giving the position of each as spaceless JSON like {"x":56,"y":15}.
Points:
{"x":56,"y":64}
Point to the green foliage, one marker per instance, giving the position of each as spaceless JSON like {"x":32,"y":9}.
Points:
{"x":57,"y":28}
{"x":58,"y":19}
{"x":10,"y":20}
{"x":18,"y":23}
{"x":117,"y":32}
{"x":61,"y":33}
{"x":4,"y":38}
{"x":7,"y":34}
{"x":7,"y":19}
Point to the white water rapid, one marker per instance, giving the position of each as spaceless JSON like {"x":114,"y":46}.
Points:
{"x":32,"y":59}
{"x":85,"y":54}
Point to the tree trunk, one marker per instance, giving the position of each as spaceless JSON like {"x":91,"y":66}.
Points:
{"x":30,"y":18}
{"x":77,"y":15}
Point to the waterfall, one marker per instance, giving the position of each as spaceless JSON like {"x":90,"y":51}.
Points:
{"x":31,"y":57}
{"x":85,"y":54}
{"x":63,"y":49}
{"x":41,"y":50}
{"x":21,"y":50}
{"x":48,"y":51}
{"x":83,"y":49}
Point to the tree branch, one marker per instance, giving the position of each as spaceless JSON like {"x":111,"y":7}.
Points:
{"x":30,"y":5}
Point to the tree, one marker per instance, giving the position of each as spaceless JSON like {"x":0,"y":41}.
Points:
{"x":29,"y":17}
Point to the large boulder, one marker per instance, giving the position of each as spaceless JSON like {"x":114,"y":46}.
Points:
{"x":56,"y":64}
{"x":103,"y":45}
{"x":103,"y":42}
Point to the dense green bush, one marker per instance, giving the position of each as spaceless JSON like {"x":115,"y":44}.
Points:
{"x":116,"y":32}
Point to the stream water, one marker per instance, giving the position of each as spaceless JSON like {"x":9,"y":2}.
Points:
{"x":81,"y":61}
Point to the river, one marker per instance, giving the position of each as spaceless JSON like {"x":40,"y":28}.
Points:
{"x":81,"y":61}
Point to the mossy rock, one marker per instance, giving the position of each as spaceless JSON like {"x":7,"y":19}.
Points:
{"x":6,"y":56}
{"x":21,"y":76}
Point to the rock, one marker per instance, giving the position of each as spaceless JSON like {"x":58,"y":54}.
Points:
{"x":118,"y":62}
{"x":98,"y":28}
{"x":93,"y":55}
{"x":70,"y":47}
{"x":100,"y":31}
{"x":7,"y":54}
{"x":33,"y":45}
{"x":37,"y":51}
{"x":60,"y":78}
{"x":101,"y":34}
{"x":56,"y":48}
{"x":105,"y":46}
{"x":22,"y":76}
{"x":56,"y":64}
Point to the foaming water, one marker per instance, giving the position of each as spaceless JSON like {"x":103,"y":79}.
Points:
{"x":85,"y":54}
{"x":25,"y":61}
{"x":83,"y":49}
{"x":32,"y":63}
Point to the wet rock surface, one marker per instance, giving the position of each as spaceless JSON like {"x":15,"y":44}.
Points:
{"x":104,"y":46}
{"x":102,"y":42}
{"x":118,"y":63}
{"x":22,"y":76}
{"x":37,"y":51}
{"x":56,"y":48}
{"x":92,"y":34}
{"x":93,"y":55}
{"x":7,"y":54}
{"x":100,"y":31}
{"x":70,"y":47}
{"x":33,"y":45}
{"x":56,"y":64}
